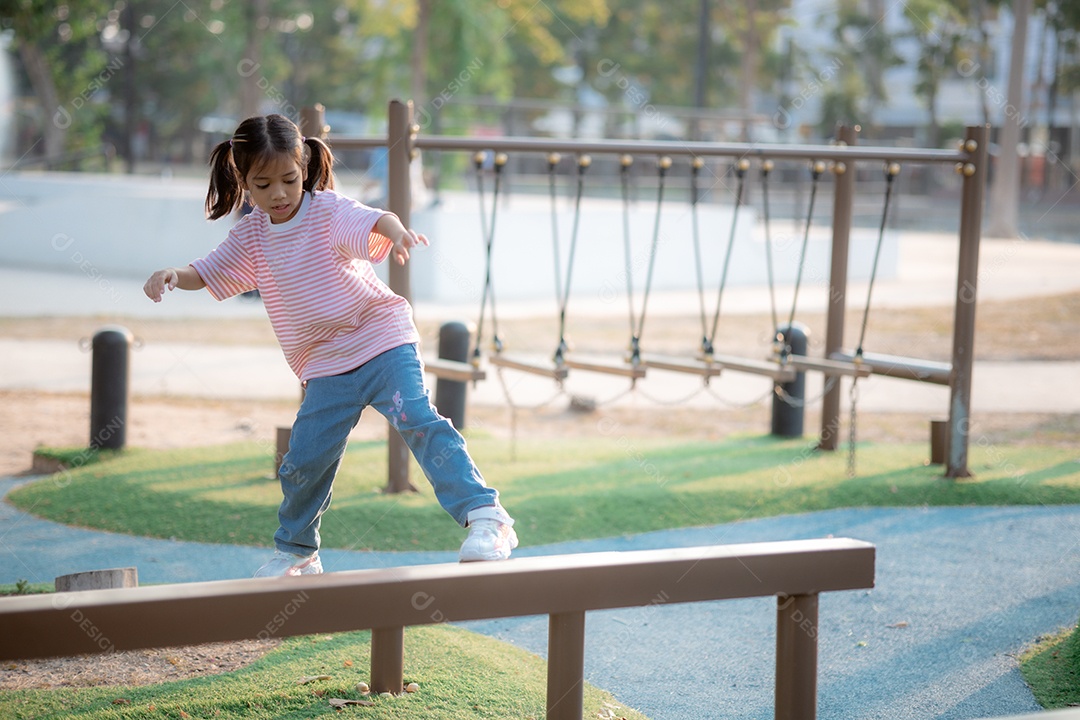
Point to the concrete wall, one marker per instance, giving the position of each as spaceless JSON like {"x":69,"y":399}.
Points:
{"x":120,"y":227}
{"x":113,"y":226}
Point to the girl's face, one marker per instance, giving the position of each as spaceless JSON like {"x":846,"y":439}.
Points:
{"x":277,"y":186}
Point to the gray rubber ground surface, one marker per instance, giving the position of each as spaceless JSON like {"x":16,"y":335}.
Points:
{"x":959,"y":592}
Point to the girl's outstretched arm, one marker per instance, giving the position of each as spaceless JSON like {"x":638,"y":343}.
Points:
{"x":403,"y":238}
{"x":184,"y":278}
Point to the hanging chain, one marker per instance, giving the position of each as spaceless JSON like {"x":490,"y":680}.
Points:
{"x":852,"y":433}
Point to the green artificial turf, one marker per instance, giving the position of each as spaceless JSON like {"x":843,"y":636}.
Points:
{"x":1052,"y":668}
{"x":568,"y":489}
{"x":461,"y":675}
{"x":603,"y":485}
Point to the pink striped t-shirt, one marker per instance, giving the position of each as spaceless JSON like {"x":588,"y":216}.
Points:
{"x":329,"y":310}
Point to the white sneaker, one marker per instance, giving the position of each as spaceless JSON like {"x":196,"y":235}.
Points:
{"x":284,"y":563}
{"x":491,"y":535}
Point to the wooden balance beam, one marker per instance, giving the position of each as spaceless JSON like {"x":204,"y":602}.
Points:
{"x":564,"y":587}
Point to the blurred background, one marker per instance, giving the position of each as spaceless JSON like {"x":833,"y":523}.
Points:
{"x":148,"y":86}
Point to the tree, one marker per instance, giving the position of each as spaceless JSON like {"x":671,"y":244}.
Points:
{"x":65,"y":67}
{"x":1005,"y":190}
{"x":862,"y":53}
{"x":941,"y":31}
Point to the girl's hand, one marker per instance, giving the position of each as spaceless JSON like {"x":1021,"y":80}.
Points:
{"x":406,"y":241}
{"x":159,"y":281}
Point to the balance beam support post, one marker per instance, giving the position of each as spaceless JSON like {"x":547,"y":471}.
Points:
{"x":388,"y":660}
{"x":796,"y":657}
{"x":566,"y":666}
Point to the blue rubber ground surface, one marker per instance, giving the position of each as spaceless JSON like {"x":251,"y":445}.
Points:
{"x":959,"y":592}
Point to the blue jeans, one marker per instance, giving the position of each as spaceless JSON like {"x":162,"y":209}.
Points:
{"x":393,"y":384}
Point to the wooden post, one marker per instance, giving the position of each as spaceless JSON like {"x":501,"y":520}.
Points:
{"x":834,"y":321}
{"x":976,"y":140}
{"x":388,"y":660}
{"x":796,"y":657}
{"x":127,"y":577}
{"x":313,"y":121}
{"x":399,"y":200}
{"x":566,"y":666}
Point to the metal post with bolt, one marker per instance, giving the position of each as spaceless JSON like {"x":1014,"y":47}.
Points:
{"x":111,"y":348}
{"x":450,"y":394}
{"x":788,"y":406}
{"x":399,"y":202}
{"x":967,"y":280}
{"x":843,"y":201}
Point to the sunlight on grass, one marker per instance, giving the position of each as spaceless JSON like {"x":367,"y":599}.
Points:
{"x":578,"y":488}
{"x":461,"y":675}
{"x":1052,"y":668}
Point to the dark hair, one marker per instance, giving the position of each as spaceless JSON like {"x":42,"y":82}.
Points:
{"x":255,"y":141}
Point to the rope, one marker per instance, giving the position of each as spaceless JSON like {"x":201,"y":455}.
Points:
{"x":553,"y":160}
{"x":740,"y":171}
{"x":583,"y":163}
{"x":662,"y":167}
{"x":786,"y":397}
{"x":891,"y":171}
{"x":671,"y":403}
{"x":624,"y":181}
{"x":489,"y":241}
{"x":695,"y":170}
{"x":851,"y":430}
{"x":766,"y":168}
{"x":513,"y":407}
{"x":734,"y":405}
{"x":815,"y":173}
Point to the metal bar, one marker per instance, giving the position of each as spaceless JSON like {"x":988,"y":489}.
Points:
{"x":834,"y":366}
{"x":974,"y":169}
{"x":843,"y":200}
{"x":903,"y":368}
{"x":388,"y":660}
{"x":344,"y":142}
{"x":566,"y":666}
{"x":636,"y":147}
{"x":768,"y":368}
{"x":99,"y":621}
{"x":399,"y":202}
{"x":796,"y":657}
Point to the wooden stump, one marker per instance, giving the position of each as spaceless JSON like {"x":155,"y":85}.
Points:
{"x":98,"y":580}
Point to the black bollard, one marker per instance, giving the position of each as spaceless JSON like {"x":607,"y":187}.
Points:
{"x":111,"y":349}
{"x":788,"y":404}
{"x":450,"y":394}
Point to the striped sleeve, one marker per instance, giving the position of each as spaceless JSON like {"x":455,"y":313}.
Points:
{"x":353,"y":231}
{"x":227,"y":270}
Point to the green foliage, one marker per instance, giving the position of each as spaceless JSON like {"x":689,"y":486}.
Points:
{"x":25,"y":587}
{"x":460,"y":674}
{"x":1052,"y":668}
{"x":601,"y":486}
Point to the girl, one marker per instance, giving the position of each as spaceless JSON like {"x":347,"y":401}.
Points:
{"x":309,"y":252}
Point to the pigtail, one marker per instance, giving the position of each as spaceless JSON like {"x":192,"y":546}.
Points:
{"x":320,"y":166}
{"x":226,"y":190}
